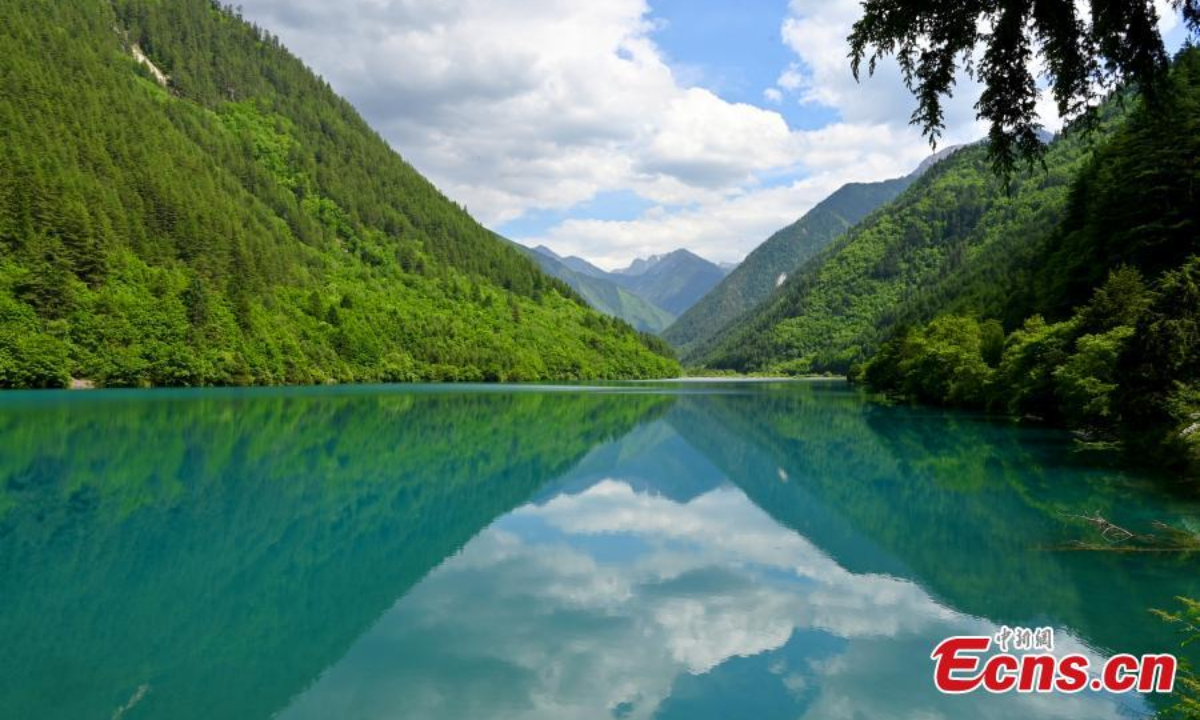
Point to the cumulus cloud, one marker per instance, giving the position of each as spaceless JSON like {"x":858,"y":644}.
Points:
{"x":516,"y":105}
{"x":707,"y":142}
{"x":726,"y":226}
{"x":870,"y":140}
{"x":513,"y":106}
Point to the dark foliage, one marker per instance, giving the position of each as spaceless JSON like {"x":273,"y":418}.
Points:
{"x":932,"y":39}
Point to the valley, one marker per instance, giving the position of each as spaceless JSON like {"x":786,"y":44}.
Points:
{"x":575,"y":361}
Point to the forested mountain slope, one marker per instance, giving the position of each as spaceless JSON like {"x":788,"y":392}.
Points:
{"x":1104,"y":311}
{"x":904,"y":262}
{"x":602,"y":293}
{"x":1074,"y":297}
{"x":221,"y":216}
{"x":753,"y":281}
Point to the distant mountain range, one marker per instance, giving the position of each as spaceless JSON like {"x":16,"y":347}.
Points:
{"x":639,"y":266}
{"x":648,"y":294}
{"x":600,"y":291}
{"x":674,"y":282}
{"x":574,"y":263}
{"x":689,"y":300}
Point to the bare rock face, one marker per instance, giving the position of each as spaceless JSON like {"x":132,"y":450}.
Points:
{"x":158,"y":74}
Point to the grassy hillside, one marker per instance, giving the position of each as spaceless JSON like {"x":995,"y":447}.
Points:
{"x":240,"y":223}
{"x":753,"y":281}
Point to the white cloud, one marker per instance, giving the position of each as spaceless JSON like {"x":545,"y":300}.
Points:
{"x":512,"y":105}
{"x":707,"y":142}
{"x":816,"y":31}
{"x":791,"y":79}
{"x":1168,"y":18}
{"x":871,"y":140}
{"x":724,"y":227}
{"x":515,"y":105}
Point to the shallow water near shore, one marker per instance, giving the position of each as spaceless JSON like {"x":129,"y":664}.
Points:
{"x":643,"y":550}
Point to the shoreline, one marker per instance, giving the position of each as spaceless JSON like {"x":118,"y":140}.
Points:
{"x":749,"y":378}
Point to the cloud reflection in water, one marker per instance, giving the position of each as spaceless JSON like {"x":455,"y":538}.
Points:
{"x":613,"y":600}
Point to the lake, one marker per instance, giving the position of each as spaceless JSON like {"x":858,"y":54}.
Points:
{"x":671,"y":550}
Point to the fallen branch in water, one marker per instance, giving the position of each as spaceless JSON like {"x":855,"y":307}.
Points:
{"x":1165,"y":538}
{"x":1109,"y":531}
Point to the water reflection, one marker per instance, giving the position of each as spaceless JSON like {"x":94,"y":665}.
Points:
{"x":207,"y":554}
{"x":611,"y":599}
{"x":965,"y":506}
{"x":651,"y":551}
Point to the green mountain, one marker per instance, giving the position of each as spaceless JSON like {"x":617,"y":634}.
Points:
{"x":1103,"y":310}
{"x":899,"y":262}
{"x":573,"y":262}
{"x":182,"y":202}
{"x":674,"y":281}
{"x":601,"y":292}
{"x":764,"y":269}
{"x":1073,"y":296}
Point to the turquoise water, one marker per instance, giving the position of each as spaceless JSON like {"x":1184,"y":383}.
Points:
{"x":698,"y":550}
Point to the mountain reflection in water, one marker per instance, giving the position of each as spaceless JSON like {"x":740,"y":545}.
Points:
{"x":645,"y":551}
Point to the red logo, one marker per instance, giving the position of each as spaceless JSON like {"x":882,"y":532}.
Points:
{"x":963,"y":665}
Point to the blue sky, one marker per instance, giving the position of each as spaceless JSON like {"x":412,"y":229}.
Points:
{"x":737,"y":55}
{"x":622,"y":128}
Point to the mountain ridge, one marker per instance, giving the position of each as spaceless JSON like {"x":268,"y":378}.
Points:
{"x":243,"y":225}
{"x":829,"y":315}
{"x":573,"y":262}
{"x":602,"y":293}
{"x":673,"y":281}
{"x":769,"y":264}
{"x":648,"y":293}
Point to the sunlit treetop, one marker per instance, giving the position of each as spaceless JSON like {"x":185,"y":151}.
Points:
{"x":1085,"y":48}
